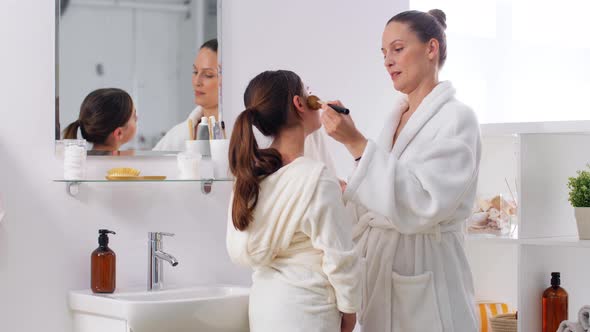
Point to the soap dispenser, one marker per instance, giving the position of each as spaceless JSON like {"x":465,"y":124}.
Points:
{"x":103,"y":265}
{"x":554,"y":304}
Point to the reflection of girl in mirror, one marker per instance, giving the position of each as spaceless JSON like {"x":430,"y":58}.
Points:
{"x":107,"y":120}
{"x":287,"y":219}
{"x":206,"y":91}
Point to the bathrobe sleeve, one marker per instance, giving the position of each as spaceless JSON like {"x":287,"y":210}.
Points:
{"x":426,"y":186}
{"x":330,"y":229}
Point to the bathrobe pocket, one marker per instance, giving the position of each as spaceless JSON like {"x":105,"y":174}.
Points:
{"x":414,"y":305}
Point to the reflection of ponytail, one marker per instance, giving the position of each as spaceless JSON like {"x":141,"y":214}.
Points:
{"x":249,"y":165}
{"x":101,"y":112}
{"x":71,"y":131}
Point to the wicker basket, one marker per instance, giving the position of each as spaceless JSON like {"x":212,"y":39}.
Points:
{"x":504,"y":323}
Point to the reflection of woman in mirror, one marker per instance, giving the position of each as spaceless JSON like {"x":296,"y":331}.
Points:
{"x":107,"y":120}
{"x":206,"y":92}
{"x":287,"y":219}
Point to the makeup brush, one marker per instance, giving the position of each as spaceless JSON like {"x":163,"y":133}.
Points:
{"x":315,"y":103}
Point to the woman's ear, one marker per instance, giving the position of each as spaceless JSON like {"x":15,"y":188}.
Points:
{"x":118,"y":134}
{"x":298,"y":102}
{"x":432,"y":49}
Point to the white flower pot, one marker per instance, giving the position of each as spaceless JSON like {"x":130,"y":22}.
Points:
{"x":583,"y":221}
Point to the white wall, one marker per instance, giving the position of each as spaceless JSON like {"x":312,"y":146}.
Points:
{"x":46,"y":236}
{"x":516,"y":61}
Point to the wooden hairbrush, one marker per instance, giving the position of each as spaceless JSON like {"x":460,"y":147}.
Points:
{"x":315,"y":103}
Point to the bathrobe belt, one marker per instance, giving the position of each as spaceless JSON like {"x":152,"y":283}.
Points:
{"x":371,"y":219}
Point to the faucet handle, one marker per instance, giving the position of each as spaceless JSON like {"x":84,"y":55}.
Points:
{"x":157,"y":235}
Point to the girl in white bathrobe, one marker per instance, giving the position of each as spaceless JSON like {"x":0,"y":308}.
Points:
{"x":413,"y":188}
{"x":287,"y":219}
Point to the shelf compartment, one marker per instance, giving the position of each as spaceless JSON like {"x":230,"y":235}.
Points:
{"x":536,"y":264}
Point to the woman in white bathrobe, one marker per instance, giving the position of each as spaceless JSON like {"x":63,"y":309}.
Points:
{"x":206,"y":90}
{"x":287,"y":219}
{"x":413,"y":188}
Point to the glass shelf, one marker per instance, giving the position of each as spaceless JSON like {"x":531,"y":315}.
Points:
{"x":487,"y":238}
{"x":558,"y":241}
{"x":116,"y":181}
{"x":73,"y":186}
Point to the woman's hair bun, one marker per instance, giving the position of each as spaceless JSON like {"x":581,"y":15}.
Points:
{"x":440,"y":16}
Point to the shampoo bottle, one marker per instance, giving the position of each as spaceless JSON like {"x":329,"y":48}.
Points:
{"x":103,"y":265}
{"x":554,"y":304}
{"x":203,"y":137}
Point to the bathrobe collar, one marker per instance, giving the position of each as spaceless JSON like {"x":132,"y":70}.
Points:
{"x":196,"y":115}
{"x":429,"y":107}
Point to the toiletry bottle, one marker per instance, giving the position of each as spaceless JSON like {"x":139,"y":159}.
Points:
{"x":103,"y":265}
{"x":216,"y":128}
{"x":554,"y":304}
{"x":203,"y":137}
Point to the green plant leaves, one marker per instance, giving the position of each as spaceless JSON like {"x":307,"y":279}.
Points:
{"x":579,"y":187}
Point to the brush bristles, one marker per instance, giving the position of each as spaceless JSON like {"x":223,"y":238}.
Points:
{"x":123,"y":171}
{"x":313,"y":102}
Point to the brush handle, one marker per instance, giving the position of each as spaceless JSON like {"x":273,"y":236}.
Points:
{"x":340,"y":109}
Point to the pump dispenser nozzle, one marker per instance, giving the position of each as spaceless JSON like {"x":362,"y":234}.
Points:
{"x":103,"y":239}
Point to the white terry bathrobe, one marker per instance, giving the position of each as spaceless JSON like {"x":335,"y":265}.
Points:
{"x":411,"y":201}
{"x":300,"y":247}
{"x":175,"y":137}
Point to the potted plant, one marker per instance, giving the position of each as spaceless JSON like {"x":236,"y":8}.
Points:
{"x":579,"y":197}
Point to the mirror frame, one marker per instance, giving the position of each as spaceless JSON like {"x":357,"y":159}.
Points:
{"x":125,"y":153}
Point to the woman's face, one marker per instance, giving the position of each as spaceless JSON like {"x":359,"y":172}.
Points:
{"x":206,"y":78}
{"x":130,"y":128}
{"x":407,"y":59}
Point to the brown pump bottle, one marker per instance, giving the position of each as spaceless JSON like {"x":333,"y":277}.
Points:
{"x":103,"y":265}
{"x":554,"y":304}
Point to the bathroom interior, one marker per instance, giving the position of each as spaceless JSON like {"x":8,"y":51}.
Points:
{"x":524,"y":75}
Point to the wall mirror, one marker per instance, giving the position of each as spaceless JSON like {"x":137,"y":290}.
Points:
{"x":125,"y":71}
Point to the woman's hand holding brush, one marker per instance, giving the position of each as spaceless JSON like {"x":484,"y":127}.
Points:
{"x":341,"y":128}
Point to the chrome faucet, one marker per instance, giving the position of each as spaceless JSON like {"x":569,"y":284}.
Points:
{"x":155,"y":256}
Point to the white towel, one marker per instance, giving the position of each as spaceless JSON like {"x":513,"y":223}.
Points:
{"x":568,"y":326}
{"x":584,"y":317}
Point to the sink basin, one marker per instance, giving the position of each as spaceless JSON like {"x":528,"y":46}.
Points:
{"x":217,"y":308}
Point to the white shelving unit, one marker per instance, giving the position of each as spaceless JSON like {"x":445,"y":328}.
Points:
{"x":537,"y":158}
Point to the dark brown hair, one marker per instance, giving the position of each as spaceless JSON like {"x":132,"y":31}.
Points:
{"x":210,"y":44}
{"x":101,"y":112}
{"x":427,"y":26}
{"x":269,"y":107}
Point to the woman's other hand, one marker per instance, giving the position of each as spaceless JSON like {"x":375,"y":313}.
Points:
{"x":348,"y":322}
{"x":342,"y":185}
{"x":341,"y":128}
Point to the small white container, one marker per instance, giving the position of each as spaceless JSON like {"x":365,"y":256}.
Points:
{"x":200,"y":147}
{"x":74,"y":159}
{"x":188,"y":165}
{"x":220,"y":158}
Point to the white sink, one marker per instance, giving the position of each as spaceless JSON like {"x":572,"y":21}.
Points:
{"x":204,"y":308}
